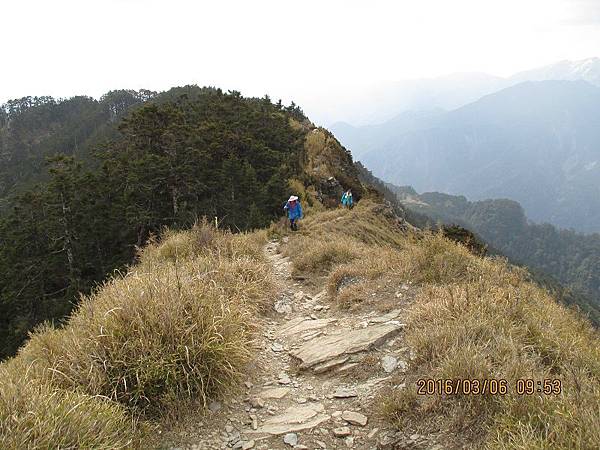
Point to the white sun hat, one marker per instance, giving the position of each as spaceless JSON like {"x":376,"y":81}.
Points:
{"x":292,"y":198}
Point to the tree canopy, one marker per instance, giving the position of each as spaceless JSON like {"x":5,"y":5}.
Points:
{"x":93,"y":180}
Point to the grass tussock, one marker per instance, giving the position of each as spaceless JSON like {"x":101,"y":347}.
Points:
{"x":375,"y":250}
{"x":472,"y":318}
{"x":178,"y":326}
{"x":364,"y":224}
{"x":320,"y":257}
{"x":336,"y":237}
{"x":35,"y":415}
{"x":511,"y":330}
{"x":361,"y":246}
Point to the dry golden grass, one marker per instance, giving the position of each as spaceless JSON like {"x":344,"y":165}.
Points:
{"x":34,"y":415}
{"x":362,"y":246}
{"x":329,"y":239}
{"x":473,"y":318}
{"x":178,"y":326}
{"x":325,"y":157}
{"x":317,"y":257}
{"x":503,"y":327}
{"x":362,"y":224}
{"x":348,"y":247}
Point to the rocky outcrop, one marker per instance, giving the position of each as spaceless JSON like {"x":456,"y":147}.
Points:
{"x":294,"y":418}
{"x":348,"y":341}
{"x":330,"y":167}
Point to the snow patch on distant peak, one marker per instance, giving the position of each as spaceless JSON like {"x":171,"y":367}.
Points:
{"x":585,"y":69}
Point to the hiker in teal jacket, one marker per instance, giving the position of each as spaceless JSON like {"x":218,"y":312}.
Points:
{"x":347,"y":199}
{"x":294,"y":211}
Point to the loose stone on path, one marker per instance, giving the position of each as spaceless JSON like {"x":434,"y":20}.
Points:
{"x":257,"y":402}
{"x":341,"y":432}
{"x":284,"y":378}
{"x":355,"y":418}
{"x":214,"y":406}
{"x":277,"y":347}
{"x":291,"y":439}
{"x":277,"y":393}
{"x":345,"y":393}
{"x":389,"y":363}
{"x":293,"y":419}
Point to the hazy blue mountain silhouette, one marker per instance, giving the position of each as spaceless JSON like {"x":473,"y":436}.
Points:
{"x":536,"y":142}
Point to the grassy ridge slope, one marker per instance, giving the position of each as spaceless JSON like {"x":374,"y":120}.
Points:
{"x":177,"y":327}
{"x":572,"y":258}
{"x":472,"y":318}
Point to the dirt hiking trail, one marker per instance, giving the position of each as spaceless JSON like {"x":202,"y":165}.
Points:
{"x":315,"y":379}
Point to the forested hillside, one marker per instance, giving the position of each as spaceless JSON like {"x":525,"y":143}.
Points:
{"x":571,"y":258}
{"x":95,"y":180}
{"x":34,"y":128}
{"x":158,"y":354}
{"x":86,"y":182}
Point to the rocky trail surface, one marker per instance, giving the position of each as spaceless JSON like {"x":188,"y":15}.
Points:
{"x":316,"y":377}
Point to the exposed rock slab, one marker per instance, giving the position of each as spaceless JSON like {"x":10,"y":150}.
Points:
{"x":355,"y":418}
{"x":348,"y":341}
{"x":386,"y":317}
{"x":345,"y":393}
{"x":303,"y":324}
{"x":294,"y":419}
{"x":278,"y":392}
{"x":328,"y":365}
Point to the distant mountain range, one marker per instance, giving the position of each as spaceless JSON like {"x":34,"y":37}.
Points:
{"x":381,"y":102}
{"x":536,"y":142}
{"x":586,"y":70}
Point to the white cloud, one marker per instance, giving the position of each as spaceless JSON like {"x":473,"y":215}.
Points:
{"x":583,"y":12}
{"x":288,"y":49}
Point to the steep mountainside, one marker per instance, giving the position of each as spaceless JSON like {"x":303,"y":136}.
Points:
{"x":183,"y":155}
{"x":571,"y":258}
{"x":226,"y":335}
{"x":537,"y":143}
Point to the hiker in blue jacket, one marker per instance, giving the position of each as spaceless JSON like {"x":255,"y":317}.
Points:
{"x":347,"y":199}
{"x":294,"y":211}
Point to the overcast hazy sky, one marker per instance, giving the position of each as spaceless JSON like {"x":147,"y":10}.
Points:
{"x":67,"y":47}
